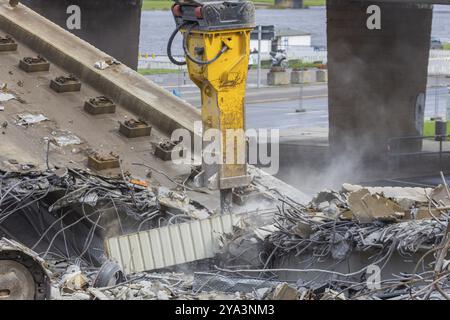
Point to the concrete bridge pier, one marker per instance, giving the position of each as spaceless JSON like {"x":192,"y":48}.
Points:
{"x":112,"y":26}
{"x":377,"y":78}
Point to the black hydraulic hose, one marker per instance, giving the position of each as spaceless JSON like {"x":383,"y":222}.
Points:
{"x":193,"y":59}
{"x":169,"y":46}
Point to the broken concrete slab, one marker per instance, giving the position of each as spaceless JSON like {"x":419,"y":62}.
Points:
{"x":440,"y":195}
{"x":176,"y":204}
{"x":396,"y":193}
{"x":284,"y":291}
{"x":275,"y":187}
{"x":74,"y":280}
{"x":367,"y":207}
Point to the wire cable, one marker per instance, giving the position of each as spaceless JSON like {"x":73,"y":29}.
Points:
{"x":169,"y":46}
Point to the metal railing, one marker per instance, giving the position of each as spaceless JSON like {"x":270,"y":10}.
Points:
{"x":158,"y":62}
{"x":439,"y":63}
{"x":396,"y":143}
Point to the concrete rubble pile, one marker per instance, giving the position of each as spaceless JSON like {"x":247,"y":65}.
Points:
{"x":357,"y":243}
{"x":336,"y":223}
{"x":333,"y":242}
{"x":68,"y":212}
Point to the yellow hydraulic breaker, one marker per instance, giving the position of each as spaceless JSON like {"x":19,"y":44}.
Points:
{"x":216,"y":40}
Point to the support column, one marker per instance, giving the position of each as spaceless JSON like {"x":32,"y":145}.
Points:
{"x":110,"y":25}
{"x":377,"y":78}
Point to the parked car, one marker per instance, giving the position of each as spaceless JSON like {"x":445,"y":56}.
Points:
{"x":436,"y":44}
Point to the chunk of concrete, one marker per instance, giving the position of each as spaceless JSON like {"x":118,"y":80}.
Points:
{"x":366,"y":207}
{"x":285,"y":292}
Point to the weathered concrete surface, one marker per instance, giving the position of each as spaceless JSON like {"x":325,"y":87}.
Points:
{"x":376,"y":76}
{"x":27,"y":145}
{"x":276,"y":78}
{"x":136,"y":93}
{"x":322,"y":75}
{"x":303,"y":76}
{"x":110,"y":25}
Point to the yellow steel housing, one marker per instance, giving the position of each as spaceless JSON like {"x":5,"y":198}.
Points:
{"x":223,"y":84}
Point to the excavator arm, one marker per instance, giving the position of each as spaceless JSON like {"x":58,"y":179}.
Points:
{"x":216,"y":40}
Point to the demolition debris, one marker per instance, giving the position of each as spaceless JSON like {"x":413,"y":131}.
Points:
{"x":320,"y":251}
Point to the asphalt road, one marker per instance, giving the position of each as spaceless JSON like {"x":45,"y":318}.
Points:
{"x":275,"y":107}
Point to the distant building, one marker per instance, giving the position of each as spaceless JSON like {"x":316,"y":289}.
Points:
{"x":296,"y":43}
{"x":273,"y":40}
{"x":266,"y":46}
{"x":285,"y":38}
{"x":267,"y":35}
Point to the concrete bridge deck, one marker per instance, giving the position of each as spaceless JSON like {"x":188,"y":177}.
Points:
{"x":121,"y":83}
